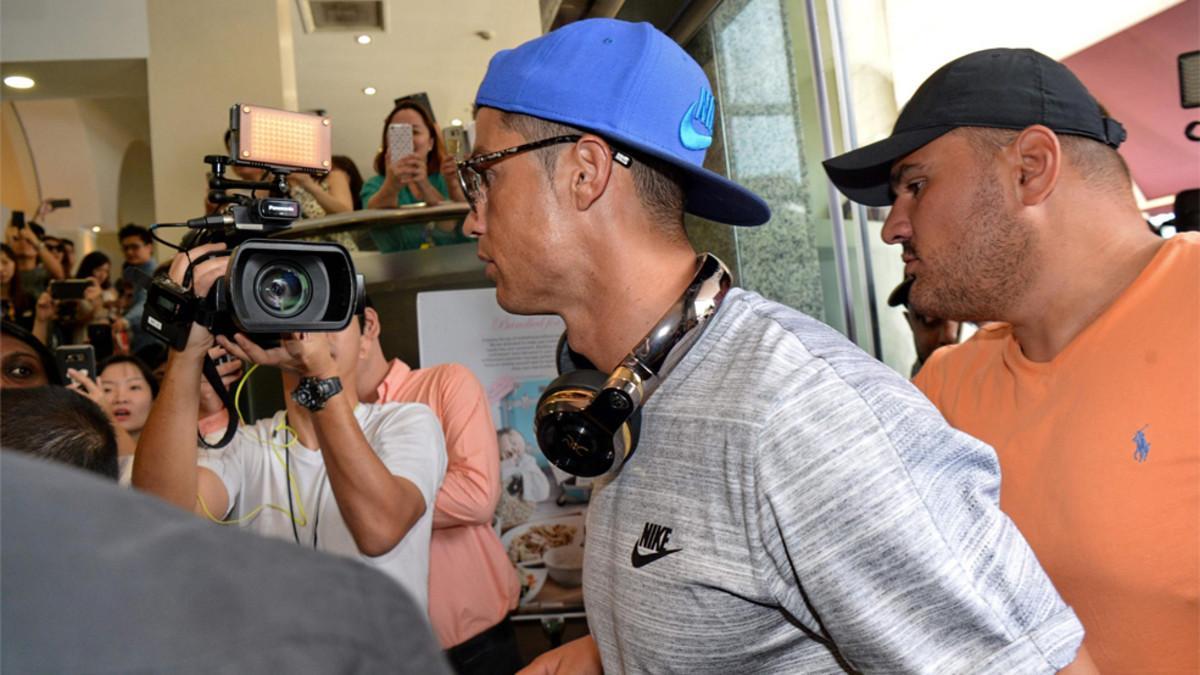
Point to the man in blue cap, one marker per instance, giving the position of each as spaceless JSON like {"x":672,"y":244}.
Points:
{"x":795,"y":506}
{"x":1011,"y":204}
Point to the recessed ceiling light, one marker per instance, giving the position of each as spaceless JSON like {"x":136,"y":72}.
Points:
{"x":363,"y":39}
{"x":96,"y":228}
{"x":456,"y":122}
{"x":19,"y":81}
{"x":369,"y":91}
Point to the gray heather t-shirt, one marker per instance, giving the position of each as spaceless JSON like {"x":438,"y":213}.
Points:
{"x":794,"y":506}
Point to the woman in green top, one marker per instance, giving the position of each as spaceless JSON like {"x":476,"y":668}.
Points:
{"x":427,"y":175}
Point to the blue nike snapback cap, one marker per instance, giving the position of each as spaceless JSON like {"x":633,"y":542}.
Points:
{"x":632,"y":85}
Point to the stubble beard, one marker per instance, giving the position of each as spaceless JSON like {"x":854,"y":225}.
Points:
{"x":985,"y":274}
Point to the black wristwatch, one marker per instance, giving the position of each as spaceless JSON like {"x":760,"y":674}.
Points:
{"x":313,"y":393}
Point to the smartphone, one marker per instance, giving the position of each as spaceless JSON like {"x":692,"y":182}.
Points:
{"x":69,"y":289}
{"x":400,"y":141}
{"x":59,"y":203}
{"x":18,"y":220}
{"x":100,"y":337}
{"x":456,"y":142}
{"x":79,"y":357}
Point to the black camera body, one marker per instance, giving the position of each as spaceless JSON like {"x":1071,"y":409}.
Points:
{"x":271,"y":286}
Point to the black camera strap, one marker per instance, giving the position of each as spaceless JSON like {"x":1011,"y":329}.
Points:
{"x":214,"y":380}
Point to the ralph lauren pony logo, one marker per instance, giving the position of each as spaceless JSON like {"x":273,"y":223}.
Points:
{"x":1142,"y":451}
{"x":702,"y":111}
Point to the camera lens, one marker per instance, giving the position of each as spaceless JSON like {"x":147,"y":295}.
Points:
{"x":283,"y":289}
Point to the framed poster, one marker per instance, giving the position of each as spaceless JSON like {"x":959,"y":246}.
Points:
{"x":542,"y":510}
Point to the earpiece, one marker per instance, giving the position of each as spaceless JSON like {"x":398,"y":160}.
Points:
{"x":587,"y":423}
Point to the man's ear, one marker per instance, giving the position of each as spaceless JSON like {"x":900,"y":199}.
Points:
{"x":590,"y":165}
{"x":370,"y":331}
{"x":1037,"y":159}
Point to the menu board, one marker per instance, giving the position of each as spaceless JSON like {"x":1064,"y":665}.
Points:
{"x":540,"y":517}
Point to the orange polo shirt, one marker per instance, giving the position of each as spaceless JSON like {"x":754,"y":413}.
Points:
{"x":1100,"y":459}
{"x":472,"y":585}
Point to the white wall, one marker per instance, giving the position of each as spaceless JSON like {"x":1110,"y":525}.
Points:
{"x":429,"y":46}
{"x":66,"y":30}
{"x":925,"y":34}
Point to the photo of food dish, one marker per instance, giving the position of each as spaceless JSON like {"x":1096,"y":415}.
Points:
{"x":528,"y":542}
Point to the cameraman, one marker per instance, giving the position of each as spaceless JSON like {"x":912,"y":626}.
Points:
{"x":353,"y":479}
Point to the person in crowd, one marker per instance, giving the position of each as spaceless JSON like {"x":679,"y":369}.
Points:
{"x":472,"y":587}
{"x":1011,"y":203}
{"x":353,"y":479}
{"x":793,"y":505}
{"x":36,"y":265}
{"x":426,"y":176}
{"x":129,"y":389}
{"x":24,"y":360}
{"x":57,"y":424}
{"x":98,"y":267}
{"x":79,"y":554}
{"x":929,"y":333}
{"x":347,"y":166}
{"x":56,"y":249}
{"x":68,"y":259}
{"x":318,"y":197}
{"x":15,"y":303}
{"x":138,"y":246}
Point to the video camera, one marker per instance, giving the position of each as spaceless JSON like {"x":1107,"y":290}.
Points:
{"x":271,"y":286}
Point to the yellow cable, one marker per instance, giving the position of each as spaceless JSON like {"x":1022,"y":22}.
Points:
{"x":302,"y":521}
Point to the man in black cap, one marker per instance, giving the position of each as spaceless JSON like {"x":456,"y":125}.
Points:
{"x":794,"y":506}
{"x":1011,"y":204}
{"x":929,"y":332}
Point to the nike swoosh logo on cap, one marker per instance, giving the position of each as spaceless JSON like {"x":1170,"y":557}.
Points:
{"x":639,"y":559}
{"x":701,"y":111}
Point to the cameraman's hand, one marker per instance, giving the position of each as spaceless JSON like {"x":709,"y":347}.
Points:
{"x":203,"y":277}
{"x":231,"y":372}
{"x":307,"y":354}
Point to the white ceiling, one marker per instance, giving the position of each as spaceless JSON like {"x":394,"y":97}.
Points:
{"x":428,"y":46}
{"x":925,"y":34}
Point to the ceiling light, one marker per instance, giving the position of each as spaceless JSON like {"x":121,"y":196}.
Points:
{"x":363,"y":39}
{"x":369,"y":91}
{"x":456,"y":122}
{"x":18,"y":81}
{"x":96,"y":229}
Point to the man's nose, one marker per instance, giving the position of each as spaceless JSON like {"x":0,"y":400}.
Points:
{"x":896,"y":228}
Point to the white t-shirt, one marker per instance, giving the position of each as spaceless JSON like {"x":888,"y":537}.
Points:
{"x":406,"y":436}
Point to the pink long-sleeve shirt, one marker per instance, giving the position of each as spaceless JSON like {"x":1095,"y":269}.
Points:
{"x":472,"y":585}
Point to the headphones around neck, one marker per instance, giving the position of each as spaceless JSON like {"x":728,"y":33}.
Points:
{"x":587,"y":422}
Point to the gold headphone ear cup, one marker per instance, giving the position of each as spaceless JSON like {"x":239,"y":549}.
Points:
{"x":566,"y":436}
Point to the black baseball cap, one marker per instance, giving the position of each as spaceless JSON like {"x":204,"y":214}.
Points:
{"x":998,"y":88}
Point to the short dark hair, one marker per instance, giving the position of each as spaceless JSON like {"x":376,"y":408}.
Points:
{"x":60,"y":425}
{"x":1101,"y":166}
{"x":137,"y":362}
{"x":133,"y":230}
{"x":658,"y":184}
